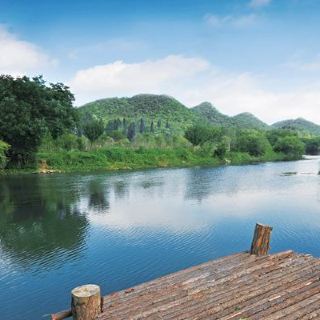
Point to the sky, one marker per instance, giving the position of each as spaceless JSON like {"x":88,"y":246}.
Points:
{"x":258,"y":56}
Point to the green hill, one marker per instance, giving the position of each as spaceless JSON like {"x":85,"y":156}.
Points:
{"x":207,"y":111}
{"x":249,"y":121}
{"x":244,"y":120}
{"x":146,"y":106}
{"x":298,"y":124}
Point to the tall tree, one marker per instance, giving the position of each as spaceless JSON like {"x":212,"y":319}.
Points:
{"x":93,"y":130}
{"x":152,"y":127}
{"x":142,"y":126}
{"x":131,"y":131}
{"x":28,"y":109}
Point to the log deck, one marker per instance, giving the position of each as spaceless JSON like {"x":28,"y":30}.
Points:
{"x":243,"y":286}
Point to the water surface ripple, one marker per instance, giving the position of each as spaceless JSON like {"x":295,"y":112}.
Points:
{"x":120,"y":229}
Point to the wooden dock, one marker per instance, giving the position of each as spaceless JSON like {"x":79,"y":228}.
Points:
{"x":242,"y":286}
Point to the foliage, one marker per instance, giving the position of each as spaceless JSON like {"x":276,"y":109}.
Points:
{"x":247,"y":120}
{"x":243,"y":120}
{"x":253,"y":142}
{"x":312,"y":146}
{"x":93,"y":129}
{"x":299,"y":124}
{"x":223,"y":147}
{"x":199,"y":134}
{"x":4,"y":147}
{"x":142,"y":126}
{"x":29,"y":109}
{"x":157,"y":108}
{"x":291,"y":146}
{"x":131,"y":131}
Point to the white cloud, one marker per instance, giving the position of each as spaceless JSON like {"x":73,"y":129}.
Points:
{"x":259,"y":3}
{"x":193,"y":80}
{"x":120,"y":78}
{"x":18,"y":57}
{"x":240,"y":21}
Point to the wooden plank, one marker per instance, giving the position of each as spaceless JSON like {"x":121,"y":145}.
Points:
{"x":280,"y":286}
{"x":218,"y":278}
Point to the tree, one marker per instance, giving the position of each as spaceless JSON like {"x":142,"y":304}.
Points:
{"x":93,"y":130}
{"x":199,"y":134}
{"x":142,"y":126}
{"x":167,"y":124}
{"x":152,"y":127}
{"x":223,"y":147}
{"x":313,"y":146}
{"x":253,"y":142}
{"x":291,"y":146}
{"x":29,"y":109}
{"x":159,"y":124}
{"x":4,"y":147}
{"x":131,"y":131}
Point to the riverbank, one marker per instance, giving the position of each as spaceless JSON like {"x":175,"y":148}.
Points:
{"x":120,"y":158}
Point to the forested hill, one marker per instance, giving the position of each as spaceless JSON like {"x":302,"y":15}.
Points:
{"x":298,"y":124}
{"x":147,"y":106}
{"x":249,"y":121}
{"x":208,"y":112}
{"x":244,"y":120}
{"x":167,"y":109}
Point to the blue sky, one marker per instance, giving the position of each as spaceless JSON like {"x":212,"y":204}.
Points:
{"x":261,"y":56}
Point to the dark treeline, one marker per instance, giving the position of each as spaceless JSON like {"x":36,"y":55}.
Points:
{"x":38,"y":121}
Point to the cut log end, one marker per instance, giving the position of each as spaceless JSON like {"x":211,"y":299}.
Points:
{"x":86,"y":302}
{"x":261,"y":240}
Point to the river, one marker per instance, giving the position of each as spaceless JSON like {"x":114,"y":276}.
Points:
{"x":119,"y":229}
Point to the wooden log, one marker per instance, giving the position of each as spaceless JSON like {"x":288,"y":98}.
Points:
{"x":61,"y":315}
{"x":86,"y":303}
{"x":261,"y":240}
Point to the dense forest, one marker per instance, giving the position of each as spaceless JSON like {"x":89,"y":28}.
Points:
{"x":40,"y":127}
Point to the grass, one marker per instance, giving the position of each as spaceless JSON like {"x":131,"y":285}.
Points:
{"x":117,"y":158}
{"x":123,"y":158}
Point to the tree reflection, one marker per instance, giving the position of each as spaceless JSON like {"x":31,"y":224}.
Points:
{"x":98,"y":193}
{"x":40,"y":220}
{"x":199,"y":184}
{"x":120,"y":189}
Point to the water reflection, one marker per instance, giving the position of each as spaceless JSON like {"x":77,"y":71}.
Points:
{"x":119,"y":229}
{"x":98,"y":196}
{"x":37,"y":221}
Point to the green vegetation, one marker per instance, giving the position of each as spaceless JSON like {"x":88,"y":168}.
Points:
{"x":43,"y":129}
{"x":247,"y":120}
{"x":4,"y":147}
{"x":28,"y":110}
{"x":299,"y":124}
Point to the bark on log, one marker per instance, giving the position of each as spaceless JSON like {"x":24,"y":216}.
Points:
{"x":261,"y":240}
{"x":86,"y":302}
{"x":61,"y":315}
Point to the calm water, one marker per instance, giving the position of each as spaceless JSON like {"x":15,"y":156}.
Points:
{"x":120,"y":229}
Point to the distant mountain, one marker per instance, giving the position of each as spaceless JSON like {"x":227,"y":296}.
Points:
{"x":207,"y":111}
{"x":153,"y":107}
{"x":147,"y":106}
{"x":298,"y":124}
{"x":247,"y":120}
{"x":243,"y":120}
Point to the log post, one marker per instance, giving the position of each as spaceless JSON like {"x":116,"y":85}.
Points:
{"x":261,"y":240}
{"x":86,"y":302}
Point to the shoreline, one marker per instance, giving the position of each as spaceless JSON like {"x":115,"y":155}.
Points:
{"x":122,"y":166}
